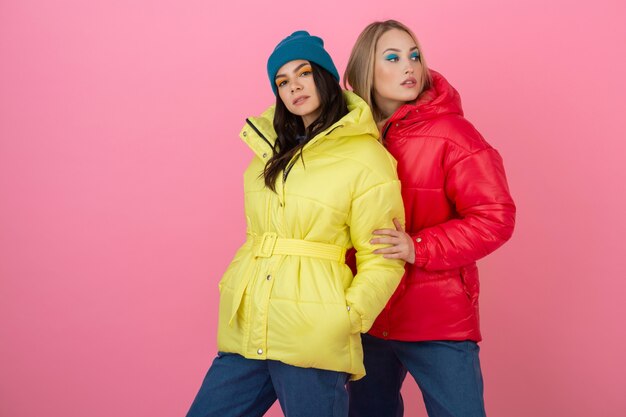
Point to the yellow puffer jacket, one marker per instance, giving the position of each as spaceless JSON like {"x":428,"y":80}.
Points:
{"x":288,"y":295}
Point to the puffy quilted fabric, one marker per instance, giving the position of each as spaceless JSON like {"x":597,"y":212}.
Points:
{"x":458,"y":209}
{"x":288,"y":295}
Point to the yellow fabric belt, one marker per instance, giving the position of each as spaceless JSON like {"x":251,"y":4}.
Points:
{"x":270,"y":244}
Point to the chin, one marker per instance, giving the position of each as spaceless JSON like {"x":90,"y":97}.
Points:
{"x":302,"y":113}
{"x":297,"y":111}
{"x":410,"y":95}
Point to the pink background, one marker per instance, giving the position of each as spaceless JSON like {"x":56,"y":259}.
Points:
{"x":121,"y":199}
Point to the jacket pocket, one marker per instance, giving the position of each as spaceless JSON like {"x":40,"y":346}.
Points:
{"x":356,"y":323}
{"x":240,"y":265}
{"x":469,"y":278}
{"x":232,"y":269}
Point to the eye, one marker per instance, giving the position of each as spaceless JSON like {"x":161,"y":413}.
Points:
{"x":415,"y":56}
{"x":392,"y":58}
{"x":305,"y":71}
{"x":281,"y":82}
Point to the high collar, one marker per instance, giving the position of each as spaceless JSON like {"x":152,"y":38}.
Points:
{"x":259,"y":134}
{"x":441,"y":98}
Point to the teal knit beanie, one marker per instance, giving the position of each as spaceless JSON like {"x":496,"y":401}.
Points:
{"x":299,"y":45}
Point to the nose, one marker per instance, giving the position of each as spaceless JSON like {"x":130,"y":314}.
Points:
{"x":408,"y":69}
{"x":296,"y":86}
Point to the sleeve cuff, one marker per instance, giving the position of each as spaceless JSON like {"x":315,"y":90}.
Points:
{"x":420,"y":251}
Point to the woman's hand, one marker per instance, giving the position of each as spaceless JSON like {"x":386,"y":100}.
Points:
{"x":401,"y":244}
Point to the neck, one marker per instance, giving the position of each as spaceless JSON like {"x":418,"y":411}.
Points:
{"x":308,"y":119}
{"x":381,"y":123}
{"x":386,"y":107}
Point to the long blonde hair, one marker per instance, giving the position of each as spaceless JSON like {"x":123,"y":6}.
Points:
{"x":360,"y":70}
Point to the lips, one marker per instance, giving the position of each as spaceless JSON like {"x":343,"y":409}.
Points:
{"x":409,"y":82}
{"x":300,"y":100}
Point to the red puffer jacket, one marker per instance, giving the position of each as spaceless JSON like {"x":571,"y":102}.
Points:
{"x":458,"y":209}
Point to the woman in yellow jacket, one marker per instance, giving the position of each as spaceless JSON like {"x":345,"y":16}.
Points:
{"x":291,"y":312}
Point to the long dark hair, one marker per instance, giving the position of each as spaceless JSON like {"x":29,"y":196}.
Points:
{"x":288,"y":126}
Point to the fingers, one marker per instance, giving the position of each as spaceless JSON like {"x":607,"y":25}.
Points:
{"x":396,"y":239}
{"x":390,"y":232}
{"x":386,"y":241}
{"x":390,"y":249}
{"x":395,"y":256}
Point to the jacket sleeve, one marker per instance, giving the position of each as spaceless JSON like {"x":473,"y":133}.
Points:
{"x":477,"y":187}
{"x":377,"y":277}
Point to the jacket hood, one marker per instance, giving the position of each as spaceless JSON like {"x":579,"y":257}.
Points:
{"x":359,"y":121}
{"x":441,"y":98}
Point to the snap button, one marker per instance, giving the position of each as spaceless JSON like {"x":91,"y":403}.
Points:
{"x":268,"y":277}
{"x":260,"y":351}
{"x":245,"y":133}
{"x":348,"y":307}
{"x":418,"y":240}
{"x":385,"y":334}
{"x":264,"y":155}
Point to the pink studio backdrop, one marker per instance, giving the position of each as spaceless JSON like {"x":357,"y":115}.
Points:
{"x":121,"y":200}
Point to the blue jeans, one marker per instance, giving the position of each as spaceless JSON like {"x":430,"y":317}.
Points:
{"x":238,"y":387}
{"x":447,"y":373}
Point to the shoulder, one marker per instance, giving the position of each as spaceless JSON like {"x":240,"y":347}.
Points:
{"x":373,"y":164}
{"x":457,"y":131}
{"x":365,"y":151}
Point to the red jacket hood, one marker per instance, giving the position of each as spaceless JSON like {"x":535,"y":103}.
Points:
{"x":440,"y":99}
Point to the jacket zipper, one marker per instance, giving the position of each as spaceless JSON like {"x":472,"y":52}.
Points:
{"x":386,"y":130}
{"x":288,"y":169}
{"x":258,"y":132}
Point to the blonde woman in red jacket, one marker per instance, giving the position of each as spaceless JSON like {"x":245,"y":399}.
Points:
{"x":458,"y":210}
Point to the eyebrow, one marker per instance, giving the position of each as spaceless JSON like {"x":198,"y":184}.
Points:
{"x":295,"y":70}
{"x":398,"y":50}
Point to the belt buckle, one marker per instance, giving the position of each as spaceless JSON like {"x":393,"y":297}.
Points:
{"x":267,"y":244}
